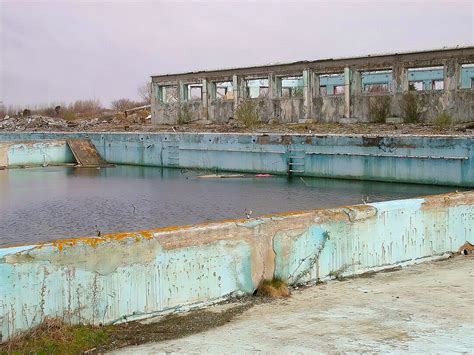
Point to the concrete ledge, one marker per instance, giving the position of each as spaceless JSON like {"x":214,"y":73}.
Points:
{"x":124,"y":276}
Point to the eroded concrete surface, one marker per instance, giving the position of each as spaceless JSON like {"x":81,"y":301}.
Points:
{"x":425,"y":308}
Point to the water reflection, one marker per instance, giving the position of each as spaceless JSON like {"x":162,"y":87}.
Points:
{"x":48,"y":203}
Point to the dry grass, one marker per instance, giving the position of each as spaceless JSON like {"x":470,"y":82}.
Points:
{"x":274,"y":288}
{"x":443,"y":120}
{"x":247,"y":113}
{"x":55,"y":337}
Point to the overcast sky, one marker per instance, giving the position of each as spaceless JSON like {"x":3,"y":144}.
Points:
{"x":61,"y":51}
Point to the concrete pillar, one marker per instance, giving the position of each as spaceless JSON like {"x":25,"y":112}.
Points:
{"x":273,"y":86}
{"x":347,"y":92}
{"x":307,"y":92}
{"x":399,"y":79}
{"x":205,"y":93}
{"x":205,"y":98}
{"x":316,"y":84}
{"x":452,"y":75}
{"x":236,"y":89}
{"x":155,"y":101}
{"x":182,"y":92}
{"x":352,"y":86}
{"x":212,"y":90}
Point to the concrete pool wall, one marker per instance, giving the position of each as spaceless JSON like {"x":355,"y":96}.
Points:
{"x":127,"y":276}
{"x":28,"y":153}
{"x":436,"y":160}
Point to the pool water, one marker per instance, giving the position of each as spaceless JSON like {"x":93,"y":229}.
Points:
{"x":42,"y":204}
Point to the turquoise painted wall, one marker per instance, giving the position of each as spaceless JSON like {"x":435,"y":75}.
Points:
{"x":133,"y":275}
{"x":38,"y":153}
{"x":414,"y":159}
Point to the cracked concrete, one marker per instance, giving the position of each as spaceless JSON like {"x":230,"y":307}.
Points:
{"x":426,"y":308}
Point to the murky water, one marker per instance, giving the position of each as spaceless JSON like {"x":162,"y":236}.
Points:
{"x":43,"y":204}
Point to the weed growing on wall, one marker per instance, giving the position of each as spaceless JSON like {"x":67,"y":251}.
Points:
{"x":313,"y":260}
{"x":247,"y":113}
{"x":411,"y":107}
{"x":379,"y":107}
{"x":444,"y":120}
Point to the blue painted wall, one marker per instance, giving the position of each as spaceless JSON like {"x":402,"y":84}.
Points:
{"x":38,"y":153}
{"x":412,"y":159}
{"x":127,"y":276}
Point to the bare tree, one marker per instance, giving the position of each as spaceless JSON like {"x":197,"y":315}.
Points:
{"x":123,"y":104}
{"x":144,"y":92}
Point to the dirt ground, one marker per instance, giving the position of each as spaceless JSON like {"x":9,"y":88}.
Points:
{"x":141,"y":123}
{"x":312,"y":128}
{"x":426,"y":308}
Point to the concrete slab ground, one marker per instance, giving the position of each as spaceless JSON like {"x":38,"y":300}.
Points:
{"x":425,"y":308}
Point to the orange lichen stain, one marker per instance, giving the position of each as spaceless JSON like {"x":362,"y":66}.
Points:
{"x":448,"y":200}
{"x":61,"y":243}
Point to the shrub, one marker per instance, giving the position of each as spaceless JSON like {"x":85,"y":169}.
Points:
{"x":86,"y":107}
{"x":443,"y":120}
{"x":379,"y":107}
{"x":69,"y":116}
{"x":411,"y":107}
{"x":184,"y":116}
{"x":144,"y":91}
{"x":124,"y":104}
{"x":247,"y":113}
{"x":49,"y":111}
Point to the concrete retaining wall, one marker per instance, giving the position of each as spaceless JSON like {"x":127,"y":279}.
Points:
{"x":437,"y":160}
{"x":131,"y":275}
{"x":31,"y":153}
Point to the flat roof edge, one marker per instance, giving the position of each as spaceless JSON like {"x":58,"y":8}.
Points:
{"x":377,"y":55}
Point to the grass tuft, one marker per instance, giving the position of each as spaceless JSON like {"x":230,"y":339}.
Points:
{"x":444,"y":120}
{"x":274,"y":288}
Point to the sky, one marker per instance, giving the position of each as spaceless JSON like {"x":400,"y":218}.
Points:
{"x":62,"y":51}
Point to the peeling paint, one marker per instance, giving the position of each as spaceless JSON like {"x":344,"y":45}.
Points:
{"x":126,"y":275}
{"x":413,"y":159}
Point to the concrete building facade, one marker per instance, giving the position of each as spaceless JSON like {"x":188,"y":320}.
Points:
{"x":330,"y":90}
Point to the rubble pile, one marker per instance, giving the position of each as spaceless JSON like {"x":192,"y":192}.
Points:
{"x":39,"y":122}
{"x":35,"y":122}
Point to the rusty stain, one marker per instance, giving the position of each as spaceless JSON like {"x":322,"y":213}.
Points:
{"x":467,"y":249}
{"x":264,"y":139}
{"x":286,"y":140}
{"x":85,"y":153}
{"x":448,"y":200}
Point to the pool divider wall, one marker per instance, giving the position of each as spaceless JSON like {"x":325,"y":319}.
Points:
{"x":125,"y":276}
{"x":437,"y":160}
